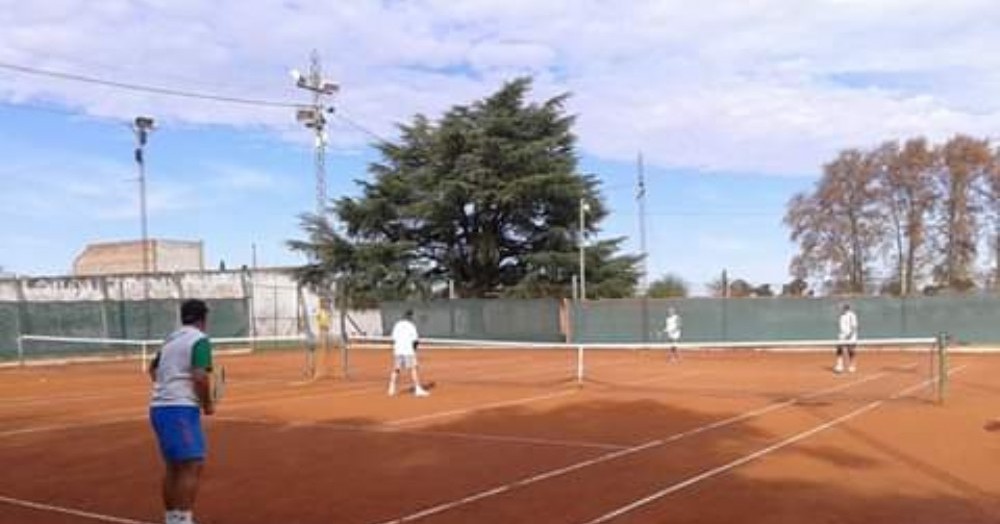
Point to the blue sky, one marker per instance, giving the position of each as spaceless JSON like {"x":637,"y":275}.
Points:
{"x":735,"y":108}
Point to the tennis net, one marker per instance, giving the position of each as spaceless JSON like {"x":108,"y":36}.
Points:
{"x":43,"y":349}
{"x":538,"y":363}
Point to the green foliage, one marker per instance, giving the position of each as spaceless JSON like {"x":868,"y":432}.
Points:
{"x":487,"y":197}
{"x":796,"y":288}
{"x":668,"y":286}
{"x":740,"y":288}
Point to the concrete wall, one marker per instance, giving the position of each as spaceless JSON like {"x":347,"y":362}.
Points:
{"x":264,"y":303}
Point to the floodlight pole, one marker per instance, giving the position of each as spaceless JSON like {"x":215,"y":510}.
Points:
{"x":142,"y":126}
{"x":314,"y":117}
{"x":583,"y":241}
{"x":644,"y":283}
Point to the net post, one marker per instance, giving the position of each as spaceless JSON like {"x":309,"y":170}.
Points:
{"x":942,"y":351}
{"x":143,"y":358}
{"x":20,"y":350}
{"x":579,"y":364}
{"x":345,"y":355}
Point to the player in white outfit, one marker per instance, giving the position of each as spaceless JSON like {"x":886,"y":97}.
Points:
{"x":404,"y":344}
{"x":672,"y":329}
{"x":848,"y":337}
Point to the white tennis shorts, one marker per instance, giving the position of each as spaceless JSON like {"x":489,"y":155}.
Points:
{"x":405,"y":361}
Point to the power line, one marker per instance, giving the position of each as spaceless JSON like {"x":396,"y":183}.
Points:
{"x":358,"y":127}
{"x":145,"y":88}
{"x":177,"y":93}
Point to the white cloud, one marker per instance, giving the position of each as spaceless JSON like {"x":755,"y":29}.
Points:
{"x":70,"y":187}
{"x":766,"y":86}
{"x":59,"y":187}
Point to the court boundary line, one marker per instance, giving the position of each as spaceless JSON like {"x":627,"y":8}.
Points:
{"x":353,"y":389}
{"x":357,"y":385}
{"x":52,"y":508}
{"x":511,"y":439}
{"x":71,"y":425}
{"x":518,"y":401}
{"x":751,"y":457}
{"x":539,"y":477}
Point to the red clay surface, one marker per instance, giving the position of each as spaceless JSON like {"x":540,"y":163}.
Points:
{"x":509,"y":437}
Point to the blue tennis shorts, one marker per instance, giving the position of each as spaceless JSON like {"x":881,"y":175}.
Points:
{"x":178,"y":430}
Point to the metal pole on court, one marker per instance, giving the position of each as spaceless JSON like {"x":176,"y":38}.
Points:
{"x":579,"y":364}
{"x":942,"y":346}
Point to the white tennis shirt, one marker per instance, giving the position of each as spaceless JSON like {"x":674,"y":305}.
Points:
{"x":404,"y":334}
{"x":848,"y":326}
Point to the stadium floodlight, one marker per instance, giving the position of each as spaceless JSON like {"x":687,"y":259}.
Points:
{"x":312,"y":117}
{"x":307,"y":115}
{"x":142,"y":126}
{"x":329,"y":88}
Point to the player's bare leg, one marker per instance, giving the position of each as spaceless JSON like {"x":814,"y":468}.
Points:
{"x":180,"y":488}
{"x":392,"y":381}
{"x":418,"y":389}
{"x":839,"y":366}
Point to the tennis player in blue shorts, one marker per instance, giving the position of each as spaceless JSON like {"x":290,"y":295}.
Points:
{"x":181,"y":393}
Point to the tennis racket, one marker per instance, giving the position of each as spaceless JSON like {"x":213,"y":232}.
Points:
{"x":218,"y":384}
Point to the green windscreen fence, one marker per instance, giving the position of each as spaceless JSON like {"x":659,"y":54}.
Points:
{"x":112,"y":319}
{"x":968,"y":319}
{"x":491,"y":319}
{"x":8,"y":329}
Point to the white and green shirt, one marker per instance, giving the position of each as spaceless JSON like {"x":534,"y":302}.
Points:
{"x":183,"y":351}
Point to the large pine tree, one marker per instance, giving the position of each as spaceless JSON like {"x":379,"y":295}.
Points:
{"x":487,"y":197}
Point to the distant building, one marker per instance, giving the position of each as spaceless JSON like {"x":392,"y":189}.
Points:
{"x":165,"y":256}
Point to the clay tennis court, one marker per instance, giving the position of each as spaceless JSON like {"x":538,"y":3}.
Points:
{"x":509,"y":436}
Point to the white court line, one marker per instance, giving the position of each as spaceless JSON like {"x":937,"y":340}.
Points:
{"x":519,"y":401}
{"x":503,"y":488}
{"x":71,"y":425}
{"x":761,"y":452}
{"x":393,"y":425}
{"x":233,"y":404}
{"x":479,"y":407}
{"x":446,"y":434}
{"x":70,"y":511}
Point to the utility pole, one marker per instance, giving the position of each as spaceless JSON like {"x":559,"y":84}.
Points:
{"x":314,"y":117}
{"x":142,"y":126}
{"x":640,"y":195}
{"x":584,"y":208}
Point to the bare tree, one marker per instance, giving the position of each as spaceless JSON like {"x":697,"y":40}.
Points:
{"x":840,"y":225}
{"x":964,"y":161}
{"x":989,"y":191}
{"x":906,"y":191}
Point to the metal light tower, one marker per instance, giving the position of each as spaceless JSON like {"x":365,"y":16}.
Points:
{"x":314,"y":117}
{"x":584,"y":208}
{"x":142,"y":126}
{"x":640,"y":195}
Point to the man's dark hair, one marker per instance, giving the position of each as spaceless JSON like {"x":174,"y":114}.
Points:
{"x":193,"y":311}
{"x":408,"y":313}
